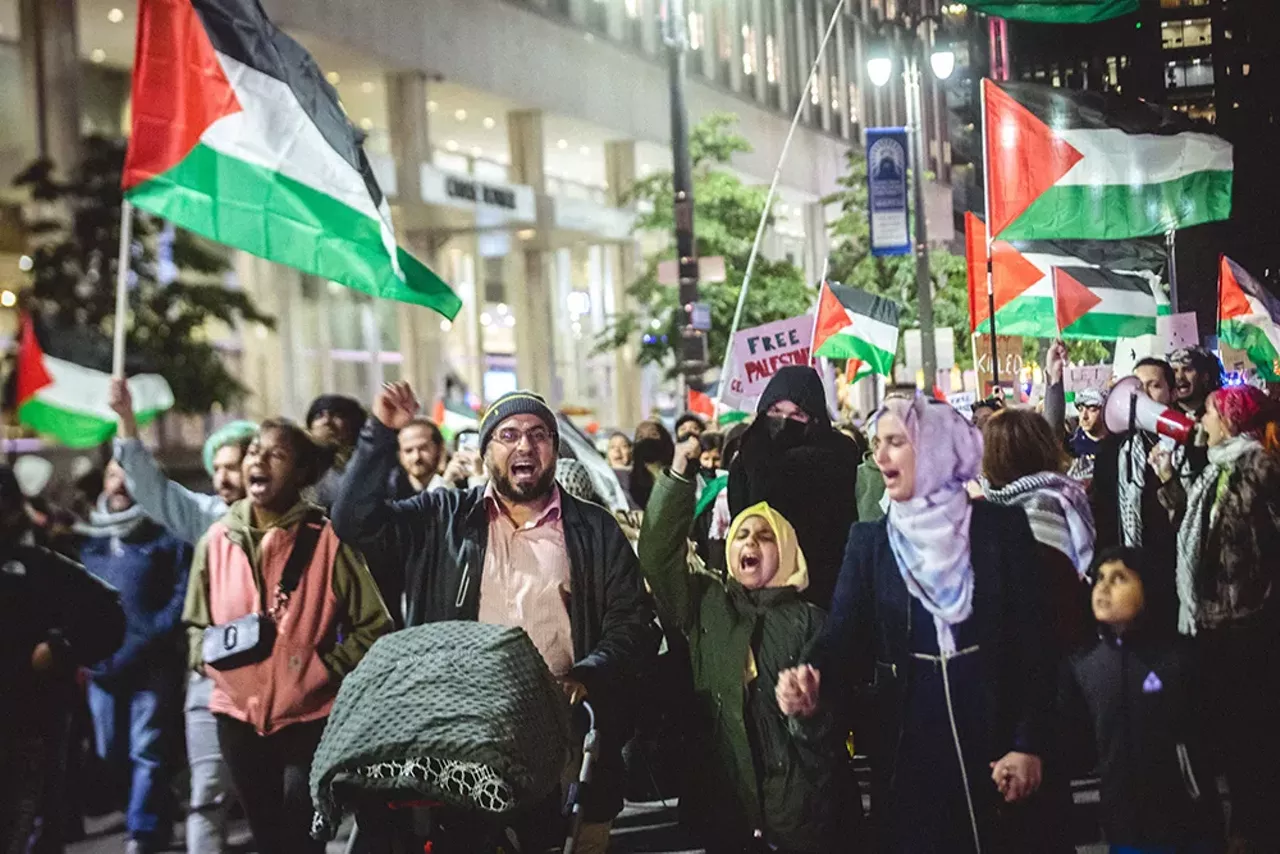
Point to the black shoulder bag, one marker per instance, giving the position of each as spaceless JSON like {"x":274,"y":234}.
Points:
{"x":250,"y":639}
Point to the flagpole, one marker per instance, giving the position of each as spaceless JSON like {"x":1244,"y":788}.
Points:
{"x":122,"y":283}
{"x":986,"y":224}
{"x":1171,"y":249}
{"x":768,"y":203}
{"x":817,"y":306}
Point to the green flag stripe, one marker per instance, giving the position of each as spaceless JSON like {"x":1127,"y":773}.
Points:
{"x":1055,"y":12}
{"x":1254,"y":341}
{"x":1122,"y":211}
{"x":283,"y":220}
{"x":849,"y":347}
{"x":1033,"y":317}
{"x":73,"y":429}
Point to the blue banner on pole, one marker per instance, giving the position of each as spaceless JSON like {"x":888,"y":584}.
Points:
{"x":887,"y":205}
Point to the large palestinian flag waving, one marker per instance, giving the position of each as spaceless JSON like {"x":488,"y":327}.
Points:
{"x":1066,"y":165}
{"x":238,"y":137}
{"x":1249,"y":318}
{"x":1077,"y":289}
{"x":855,"y":325}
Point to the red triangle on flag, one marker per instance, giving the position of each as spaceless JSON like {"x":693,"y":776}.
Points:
{"x":31,"y":373}
{"x":1024,"y":157}
{"x":1071,"y":300}
{"x":832,"y":318}
{"x":1232,"y":301}
{"x":1011,"y":273}
{"x":174,"y":53}
{"x":975,"y":252}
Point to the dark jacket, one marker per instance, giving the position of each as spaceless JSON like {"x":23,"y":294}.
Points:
{"x":1132,"y":707}
{"x":1237,"y":573}
{"x":867,"y":636}
{"x":439,"y":539}
{"x":149,"y":567}
{"x":46,"y":598}
{"x":754,"y":768}
{"x":811,"y":479}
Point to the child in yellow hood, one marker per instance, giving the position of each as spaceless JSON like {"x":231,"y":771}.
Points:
{"x":758,"y":778}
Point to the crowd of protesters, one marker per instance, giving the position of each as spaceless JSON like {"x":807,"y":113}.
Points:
{"x":984,"y":608}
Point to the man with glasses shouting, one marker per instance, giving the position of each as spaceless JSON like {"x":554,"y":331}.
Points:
{"x":518,"y":551}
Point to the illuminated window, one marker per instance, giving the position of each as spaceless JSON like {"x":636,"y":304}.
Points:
{"x":853,"y":103}
{"x":772,"y":66}
{"x":1244,"y":69}
{"x":749,"y":50}
{"x":1188,"y":74}
{"x":1113,"y":70}
{"x":697,"y":32}
{"x":833,"y":86}
{"x":1194,"y":33}
{"x":815,"y":90}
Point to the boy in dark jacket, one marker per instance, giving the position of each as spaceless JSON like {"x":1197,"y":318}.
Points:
{"x":759,"y":778}
{"x":1135,"y":692}
{"x":133,"y":694}
{"x":54,"y":617}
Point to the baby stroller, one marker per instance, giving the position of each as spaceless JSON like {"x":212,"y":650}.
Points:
{"x":452,"y":737}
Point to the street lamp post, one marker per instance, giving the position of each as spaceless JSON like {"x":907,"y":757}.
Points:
{"x":880,"y":69}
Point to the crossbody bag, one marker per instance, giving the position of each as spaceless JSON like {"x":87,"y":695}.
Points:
{"x":250,"y":639}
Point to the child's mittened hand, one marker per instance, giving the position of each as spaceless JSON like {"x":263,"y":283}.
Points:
{"x":798,"y":690}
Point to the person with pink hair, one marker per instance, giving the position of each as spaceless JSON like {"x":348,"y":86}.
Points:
{"x":1228,"y":540}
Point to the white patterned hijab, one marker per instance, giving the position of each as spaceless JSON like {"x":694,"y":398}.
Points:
{"x":929,"y":532}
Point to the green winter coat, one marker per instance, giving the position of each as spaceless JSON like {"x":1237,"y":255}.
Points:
{"x":870,"y":491}
{"x":753,"y":769}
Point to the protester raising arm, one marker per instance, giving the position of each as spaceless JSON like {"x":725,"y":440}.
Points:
{"x":664,"y":538}
{"x":182,"y":512}
{"x":363,"y":513}
{"x":1055,"y":396}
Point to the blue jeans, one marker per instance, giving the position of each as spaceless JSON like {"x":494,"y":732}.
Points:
{"x":128,"y":727}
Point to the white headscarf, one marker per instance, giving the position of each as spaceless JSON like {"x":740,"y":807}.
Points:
{"x":929,"y":532}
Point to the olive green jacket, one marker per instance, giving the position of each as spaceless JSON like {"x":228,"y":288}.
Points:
{"x":753,"y":768}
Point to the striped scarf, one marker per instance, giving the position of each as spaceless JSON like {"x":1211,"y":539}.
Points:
{"x":1058,"y":510}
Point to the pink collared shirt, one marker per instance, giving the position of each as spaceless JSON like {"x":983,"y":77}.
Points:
{"x":525,"y":581}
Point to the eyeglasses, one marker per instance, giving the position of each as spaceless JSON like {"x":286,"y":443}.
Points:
{"x":511,"y":436}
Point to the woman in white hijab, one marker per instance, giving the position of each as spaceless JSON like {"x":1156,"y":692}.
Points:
{"x":936,"y":610}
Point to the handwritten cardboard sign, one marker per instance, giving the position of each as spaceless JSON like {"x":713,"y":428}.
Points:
{"x":760,"y":351}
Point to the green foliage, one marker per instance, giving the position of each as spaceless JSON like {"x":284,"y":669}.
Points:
{"x":727,"y":213}
{"x":894,"y":277}
{"x":75,"y":228}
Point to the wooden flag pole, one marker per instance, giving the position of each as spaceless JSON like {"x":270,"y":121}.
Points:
{"x":122,"y":284}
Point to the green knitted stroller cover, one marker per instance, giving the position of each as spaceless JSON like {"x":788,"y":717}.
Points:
{"x":462,"y":713}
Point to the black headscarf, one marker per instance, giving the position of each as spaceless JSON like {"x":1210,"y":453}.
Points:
{"x":806,"y":471}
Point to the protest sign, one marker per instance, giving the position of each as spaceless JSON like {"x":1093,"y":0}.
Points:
{"x":760,"y":351}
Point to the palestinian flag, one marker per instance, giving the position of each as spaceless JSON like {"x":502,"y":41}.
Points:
{"x":1055,"y":11}
{"x":238,"y":137}
{"x":67,"y":400}
{"x":453,"y":418}
{"x":1065,"y":165}
{"x":853,"y":324}
{"x":1249,"y":318}
{"x":1074,"y":289}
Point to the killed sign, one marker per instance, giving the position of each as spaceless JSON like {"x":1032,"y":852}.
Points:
{"x":759,"y":352}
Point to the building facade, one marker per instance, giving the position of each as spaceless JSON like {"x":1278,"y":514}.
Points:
{"x":506,"y":134}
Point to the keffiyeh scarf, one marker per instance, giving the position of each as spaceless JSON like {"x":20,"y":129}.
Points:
{"x":1059,"y":513}
{"x":1201,"y":512}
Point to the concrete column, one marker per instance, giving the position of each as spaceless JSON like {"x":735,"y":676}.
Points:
{"x":51,"y":72}
{"x":761,"y":83}
{"x":410,"y":138}
{"x":820,"y":20}
{"x":733,"y":20}
{"x":620,"y":172}
{"x":842,"y":124}
{"x":804,"y":58}
{"x":782,"y":46}
{"x":532,"y":296}
{"x":817,"y":240}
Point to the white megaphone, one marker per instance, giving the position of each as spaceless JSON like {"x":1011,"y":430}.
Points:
{"x":1128,"y":407}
